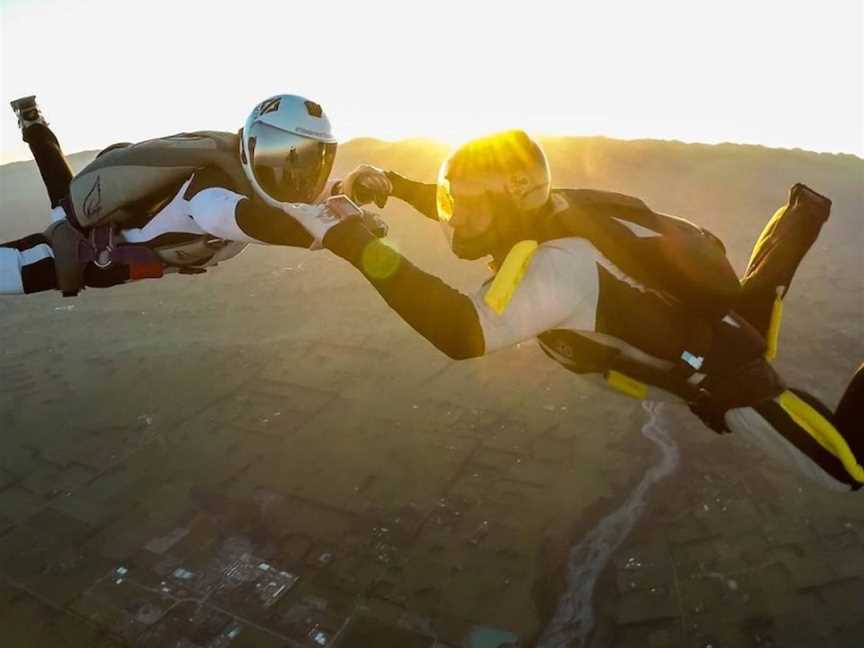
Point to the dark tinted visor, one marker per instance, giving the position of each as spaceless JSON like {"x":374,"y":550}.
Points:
{"x":289,"y":167}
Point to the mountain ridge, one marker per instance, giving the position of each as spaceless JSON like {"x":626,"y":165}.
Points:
{"x":545,"y":137}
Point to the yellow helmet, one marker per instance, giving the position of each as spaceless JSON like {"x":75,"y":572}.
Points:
{"x":489,"y":189}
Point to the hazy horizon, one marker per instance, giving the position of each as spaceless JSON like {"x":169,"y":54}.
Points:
{"x":542,"y":137}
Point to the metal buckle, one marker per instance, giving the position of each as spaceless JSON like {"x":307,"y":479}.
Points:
{"x":692,"y":360}
{"x":103,"y":258}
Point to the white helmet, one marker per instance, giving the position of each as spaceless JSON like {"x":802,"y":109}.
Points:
{"x":287,"y":150}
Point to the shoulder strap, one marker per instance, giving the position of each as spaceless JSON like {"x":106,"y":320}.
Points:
{"x":508,"y":278}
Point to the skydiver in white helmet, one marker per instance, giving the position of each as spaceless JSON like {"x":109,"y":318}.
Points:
{"x":645,"y":301}
{"x":176,"y":204}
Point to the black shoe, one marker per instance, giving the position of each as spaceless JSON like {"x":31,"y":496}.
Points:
{"x":28,"y":112}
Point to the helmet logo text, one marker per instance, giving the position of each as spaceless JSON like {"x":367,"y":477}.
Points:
{"x":271,"y":105}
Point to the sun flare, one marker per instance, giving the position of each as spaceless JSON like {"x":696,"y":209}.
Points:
{"x":126,"y":71}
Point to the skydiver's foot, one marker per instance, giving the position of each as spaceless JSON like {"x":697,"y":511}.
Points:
{"x":28,"y":113}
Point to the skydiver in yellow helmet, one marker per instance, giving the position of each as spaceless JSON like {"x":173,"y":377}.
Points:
{"x":612,"y":288}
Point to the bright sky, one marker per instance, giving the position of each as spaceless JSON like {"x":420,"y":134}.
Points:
{"x":780,"y":73}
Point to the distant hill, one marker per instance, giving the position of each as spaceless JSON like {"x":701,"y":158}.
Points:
{"x":730,"y":189}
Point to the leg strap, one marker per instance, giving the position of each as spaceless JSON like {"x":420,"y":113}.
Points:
{"x":73,"y":251}
{"x":70,"y":256}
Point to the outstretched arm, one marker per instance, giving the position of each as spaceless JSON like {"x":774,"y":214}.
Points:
{"x":459,"y":325}
{"x":367,"y":184}
{"x":419,"y":195}
{"x":266,"y":224}
{"x":440,"y":313}
{"x":230,"y":215}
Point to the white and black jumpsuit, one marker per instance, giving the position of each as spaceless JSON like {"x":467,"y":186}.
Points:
{"x":571,"y":295}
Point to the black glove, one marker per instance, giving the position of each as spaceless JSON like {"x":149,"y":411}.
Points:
{"x":367,"y":184}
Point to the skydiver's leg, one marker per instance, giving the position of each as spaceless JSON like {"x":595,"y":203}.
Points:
{"x":45,"y":147}
{"x":772,"y":429}
{"x":849,"y":417}
{"x":53,"y":167}
{"x":781,"y":246}
{"x":27,"y":266}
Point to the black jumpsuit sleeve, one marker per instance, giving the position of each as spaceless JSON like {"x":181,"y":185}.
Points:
{"x":441,"y":314}
{"x":419,"y":195}
{"x":270,"y":225}
{"x":257,"y":219}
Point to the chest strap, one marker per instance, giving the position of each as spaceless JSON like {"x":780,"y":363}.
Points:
{"x":510,"y":275}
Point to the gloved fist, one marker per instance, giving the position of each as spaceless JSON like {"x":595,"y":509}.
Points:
{"x":367,"y":184}
{"x":318,"y":219}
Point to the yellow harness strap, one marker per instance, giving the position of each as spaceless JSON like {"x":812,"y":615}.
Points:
{"x":509,"y":276}
{"x":626,"y":384}
{"x":818,"y":427}
{"x":773,"y":334}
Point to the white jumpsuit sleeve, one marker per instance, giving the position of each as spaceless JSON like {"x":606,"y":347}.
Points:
{"x":214,"y":211}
